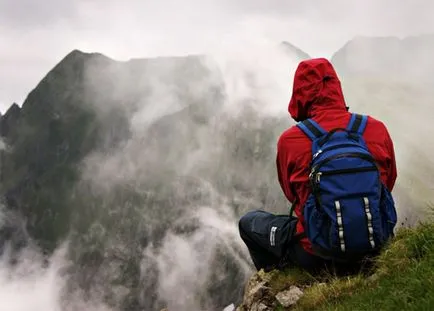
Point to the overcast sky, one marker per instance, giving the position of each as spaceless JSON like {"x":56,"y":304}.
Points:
{"x":35,"y":35}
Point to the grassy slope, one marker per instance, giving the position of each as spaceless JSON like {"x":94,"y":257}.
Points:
{"x":403,"y":279}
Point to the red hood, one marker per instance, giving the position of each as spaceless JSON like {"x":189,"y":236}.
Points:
{"x":316,"y":89}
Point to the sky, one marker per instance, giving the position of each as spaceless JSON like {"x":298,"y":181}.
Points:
{"x":36,"y":35}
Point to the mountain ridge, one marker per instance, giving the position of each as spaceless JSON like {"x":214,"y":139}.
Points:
{"x":121,"y":157}
{"x":342,"y":58}
{"x":406,"y":59}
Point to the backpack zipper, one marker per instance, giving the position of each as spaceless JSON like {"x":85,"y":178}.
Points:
{"x":332,"y":148}
{"x":350,"y":170}
{"x":364,"y":156}
{"x":345,"y":171}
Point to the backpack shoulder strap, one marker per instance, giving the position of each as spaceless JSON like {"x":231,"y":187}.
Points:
{"x":311,"y":129}
{"x":357,"y":123}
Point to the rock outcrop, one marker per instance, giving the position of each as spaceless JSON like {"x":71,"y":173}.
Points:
{"x":263,"y":292}
{"x":377,"y":286}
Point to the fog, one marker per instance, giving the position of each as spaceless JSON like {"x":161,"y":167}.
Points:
{"x":35,"y":36}
{"x":193,"y":252}
{"x":197,"y":168}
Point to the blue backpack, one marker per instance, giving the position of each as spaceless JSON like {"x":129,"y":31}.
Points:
{"x":350,"y":213}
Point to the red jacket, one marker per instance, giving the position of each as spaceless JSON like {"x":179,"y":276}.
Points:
{"x":317,"y":94}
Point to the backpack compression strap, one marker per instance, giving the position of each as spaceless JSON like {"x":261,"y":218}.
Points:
{"x":357,"y":123}
{"x":311,"y":129}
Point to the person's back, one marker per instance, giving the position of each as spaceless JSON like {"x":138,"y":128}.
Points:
{"x":317,"y":95}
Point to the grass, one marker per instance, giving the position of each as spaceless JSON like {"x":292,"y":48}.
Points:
{"x":402,"y":279}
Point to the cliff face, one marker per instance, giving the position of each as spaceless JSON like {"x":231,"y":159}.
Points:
{"x":82,"y":105}
{"x":136,"y":164}
{"x":46,"y":139}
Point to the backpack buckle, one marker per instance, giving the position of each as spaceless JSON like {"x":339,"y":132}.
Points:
{"x":317,"y":154}
{"x":318,"y":177}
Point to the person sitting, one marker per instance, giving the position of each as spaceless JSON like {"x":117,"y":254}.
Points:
{"x":337,"y":169}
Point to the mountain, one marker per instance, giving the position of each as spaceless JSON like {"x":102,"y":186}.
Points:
{"x":145,"y":166}
{"x":74,"y":110}
{"x":297,"y":52}
{"x":387,"y":58}
{"x":137,"y":164}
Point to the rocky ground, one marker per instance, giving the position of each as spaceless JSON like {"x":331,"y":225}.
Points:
{"x":261,"y":295}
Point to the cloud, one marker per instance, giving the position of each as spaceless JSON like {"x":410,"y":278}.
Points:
{"x":30,"y":281}
{"x":30,"y":285}
{"x":26,"y":14}
{"x":36,"y":35}
{"x":187,"y":264}
{"x":241,"y":38}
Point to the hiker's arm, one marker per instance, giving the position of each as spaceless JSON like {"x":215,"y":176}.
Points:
{"x":392,"y":171}
{"x":284,"y":169}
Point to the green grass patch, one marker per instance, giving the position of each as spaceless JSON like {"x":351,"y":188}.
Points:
{"x":402,"y":279}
